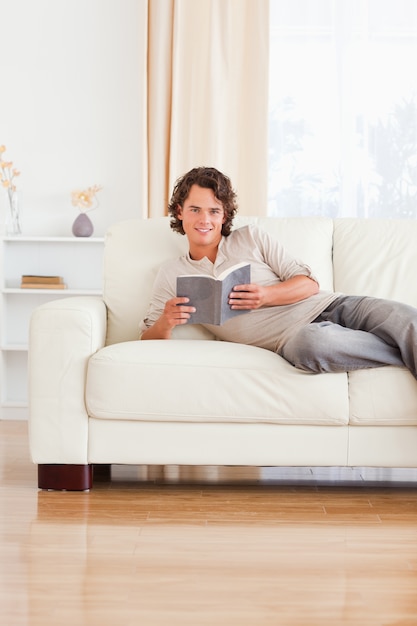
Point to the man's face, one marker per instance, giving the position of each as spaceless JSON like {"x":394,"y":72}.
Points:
{"x":202,"y":219}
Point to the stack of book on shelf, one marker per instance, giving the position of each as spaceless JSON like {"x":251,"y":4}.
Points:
{"x":42,"y":282}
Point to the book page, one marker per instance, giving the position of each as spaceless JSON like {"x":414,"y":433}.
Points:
{"x":210,"y":295}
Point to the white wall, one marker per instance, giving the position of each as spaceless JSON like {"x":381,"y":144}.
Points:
{"x":72,"y":75}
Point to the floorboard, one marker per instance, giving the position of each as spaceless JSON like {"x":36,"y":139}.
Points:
{"x":160,"y":546}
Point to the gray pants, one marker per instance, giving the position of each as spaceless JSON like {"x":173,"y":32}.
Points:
{"x":356,"y":332}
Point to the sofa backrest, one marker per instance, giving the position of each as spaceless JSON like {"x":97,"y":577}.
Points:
{"x":134,"y":250}
{"x":376,"y":257}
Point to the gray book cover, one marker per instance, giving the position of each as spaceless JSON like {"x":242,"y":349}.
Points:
{"x":210,"y":295}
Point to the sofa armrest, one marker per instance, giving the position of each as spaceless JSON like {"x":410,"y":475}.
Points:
{"x":63,"y":335}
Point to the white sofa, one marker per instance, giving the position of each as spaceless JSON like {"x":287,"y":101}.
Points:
{"x":98,"y":395}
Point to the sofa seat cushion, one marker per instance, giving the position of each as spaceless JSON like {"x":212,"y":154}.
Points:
{"x":209,"y":381}
{"x":383,"y":396}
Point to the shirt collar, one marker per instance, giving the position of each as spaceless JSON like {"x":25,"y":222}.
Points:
{"x":205,"y":262}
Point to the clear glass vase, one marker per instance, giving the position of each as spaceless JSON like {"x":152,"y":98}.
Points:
{"x":13,"y":214}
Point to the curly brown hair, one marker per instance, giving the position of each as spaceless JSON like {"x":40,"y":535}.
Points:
{"x":210,"y":178}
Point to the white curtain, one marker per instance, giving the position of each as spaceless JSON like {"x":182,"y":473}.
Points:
{"x":207,"y":98}
{"x":343,"y":108}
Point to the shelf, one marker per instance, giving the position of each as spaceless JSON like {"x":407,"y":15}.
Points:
{"x":56,"y":292}
{"x":78,"y":260}
{"x":22,"y":239}
{"x":10,"y":404}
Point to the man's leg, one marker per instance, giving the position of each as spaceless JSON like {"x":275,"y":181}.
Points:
{"x":393,"y":322}
{"x":328,"y":347}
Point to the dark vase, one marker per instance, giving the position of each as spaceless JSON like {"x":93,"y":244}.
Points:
{"x":82,"y":226}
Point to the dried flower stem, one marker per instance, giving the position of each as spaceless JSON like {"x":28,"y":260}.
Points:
{"x":7,"y":174}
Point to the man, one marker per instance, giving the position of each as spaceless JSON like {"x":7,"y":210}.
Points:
{"x":314,"y":330}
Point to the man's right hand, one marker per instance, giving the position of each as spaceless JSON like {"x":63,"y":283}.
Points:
{"x":176,"y":312}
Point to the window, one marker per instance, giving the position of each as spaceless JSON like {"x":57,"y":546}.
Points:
{"x":343,"y":108}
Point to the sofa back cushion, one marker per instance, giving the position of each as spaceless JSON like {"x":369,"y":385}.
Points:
{"x":376,"y":257}
{"x":135,"y":249}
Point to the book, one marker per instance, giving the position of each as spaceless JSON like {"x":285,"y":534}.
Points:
{"x":210,"y":295}
{"x":43,"y":286}
{"x":38,"y":278}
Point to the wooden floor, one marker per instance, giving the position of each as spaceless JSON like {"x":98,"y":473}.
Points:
{"x":207,"y":546}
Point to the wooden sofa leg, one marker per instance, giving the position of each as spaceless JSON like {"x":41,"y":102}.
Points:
{"x":65,"y":477}
{"x":102,"y":472}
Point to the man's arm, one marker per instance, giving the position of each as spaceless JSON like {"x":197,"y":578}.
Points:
{"x":289,"y":291}
{"x":175,"y":313}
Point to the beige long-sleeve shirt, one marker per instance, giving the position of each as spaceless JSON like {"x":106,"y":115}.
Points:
{"x":268,"y":327}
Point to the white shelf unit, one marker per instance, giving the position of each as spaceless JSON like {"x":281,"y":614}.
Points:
{"x":78,"y":260}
